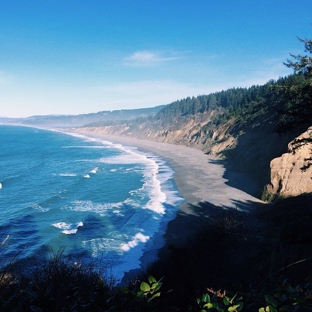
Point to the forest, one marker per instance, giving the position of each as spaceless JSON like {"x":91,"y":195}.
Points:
{"x":284,"y":101}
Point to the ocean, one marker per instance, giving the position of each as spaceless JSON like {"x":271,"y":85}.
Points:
{"x":92,"y":198}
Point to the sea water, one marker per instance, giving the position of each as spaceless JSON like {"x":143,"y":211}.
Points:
{"x":92,"y":198}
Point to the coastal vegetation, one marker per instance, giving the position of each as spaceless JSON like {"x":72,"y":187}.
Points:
{"x":286,"y":102}
{"x":281,"y":102}
{"x":236,"y":262}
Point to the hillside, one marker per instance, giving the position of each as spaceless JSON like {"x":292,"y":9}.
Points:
{"x":247,"y":126}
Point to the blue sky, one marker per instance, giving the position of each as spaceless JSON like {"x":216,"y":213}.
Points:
{"x":72,"y":57}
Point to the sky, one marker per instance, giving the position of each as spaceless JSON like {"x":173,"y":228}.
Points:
{"x":74,"y":57}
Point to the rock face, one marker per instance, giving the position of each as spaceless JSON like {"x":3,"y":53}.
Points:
{"x":250,"y":150}
{"x":291,"y":174}
{"x":186,"y":132}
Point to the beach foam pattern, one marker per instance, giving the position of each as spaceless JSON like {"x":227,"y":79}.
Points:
{"x":92,"y":196}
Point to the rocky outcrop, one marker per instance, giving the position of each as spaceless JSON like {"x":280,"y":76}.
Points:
{"x":291,"y":174}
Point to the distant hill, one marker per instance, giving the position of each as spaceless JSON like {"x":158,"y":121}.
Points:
{"x":69,"y":121}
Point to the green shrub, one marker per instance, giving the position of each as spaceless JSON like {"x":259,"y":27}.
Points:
{"x":219,"y":301}
{"x":138,"y":296}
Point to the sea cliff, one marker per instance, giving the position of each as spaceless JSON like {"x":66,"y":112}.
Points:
{"x":291,"y":173}
{"x":256,"y":152}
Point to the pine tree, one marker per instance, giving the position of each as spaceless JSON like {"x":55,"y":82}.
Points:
{"x":295,"y":101}
{"x":302,"y":64}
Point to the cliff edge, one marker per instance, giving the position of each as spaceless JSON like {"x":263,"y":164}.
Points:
{"x":291,"y":173}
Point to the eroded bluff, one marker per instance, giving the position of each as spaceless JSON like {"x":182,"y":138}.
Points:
{"x":291,"y":173}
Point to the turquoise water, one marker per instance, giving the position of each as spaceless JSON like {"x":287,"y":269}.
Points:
{"x":94,"y":198}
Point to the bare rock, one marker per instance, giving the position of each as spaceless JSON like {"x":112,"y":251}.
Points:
{"x":291,"y":174}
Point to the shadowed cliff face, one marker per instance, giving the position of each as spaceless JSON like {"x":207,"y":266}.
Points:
{"x":246,"y":146}
{"x":291,"y":173}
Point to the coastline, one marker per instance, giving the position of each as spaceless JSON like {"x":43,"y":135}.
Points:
{"x":199,"y":180}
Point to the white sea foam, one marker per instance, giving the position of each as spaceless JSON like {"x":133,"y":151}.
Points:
{"x":68,"y":174}
{"x":87,"y":176}
{"x":118,"y":212}
{"x":40,"y":208}
{"x":62,"y":225}
{"x":116,"y":242}
{"x":130,"y":228}
{"x":156,"y":174}
{"x":152,"y":184}
{"x":95,"y":170}
{"x":68,"y":232}
{"x":156,"y":194}
{"x":0,"y":185}
{"x":101,"y":209}
{"x":138,"y":238}
{"x":98,"y":245}
{"x":86,"y":146}
{"x":68,"y":228}
{"x":128,"y":157}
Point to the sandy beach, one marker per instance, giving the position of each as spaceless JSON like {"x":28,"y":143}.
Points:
{"x":199,"y":179}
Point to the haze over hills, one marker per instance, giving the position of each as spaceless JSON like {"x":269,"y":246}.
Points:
{"x":69,"y":121}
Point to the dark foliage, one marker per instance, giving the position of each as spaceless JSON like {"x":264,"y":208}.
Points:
{"x":57,"y":285}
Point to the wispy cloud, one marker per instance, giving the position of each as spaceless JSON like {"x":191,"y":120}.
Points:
{"x":149,"y":58}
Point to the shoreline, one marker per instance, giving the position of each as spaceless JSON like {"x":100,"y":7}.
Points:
{"x":199,"y":180}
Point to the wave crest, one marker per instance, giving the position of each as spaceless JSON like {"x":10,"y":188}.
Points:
{"x":68,"y":228}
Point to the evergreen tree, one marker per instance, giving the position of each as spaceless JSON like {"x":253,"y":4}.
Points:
{"x":295,"y":101}
{"x":302,"y":64}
